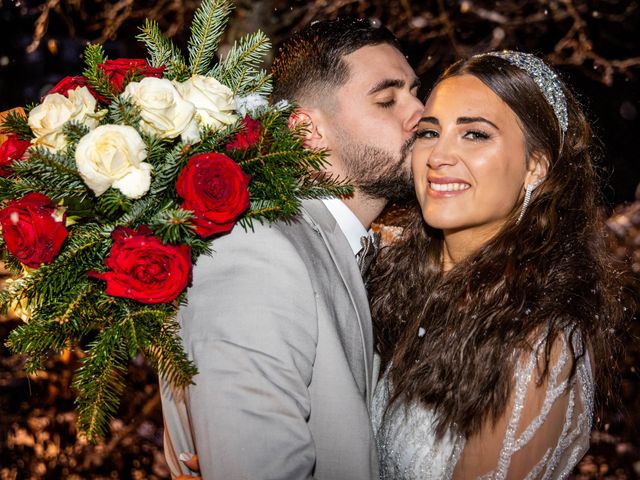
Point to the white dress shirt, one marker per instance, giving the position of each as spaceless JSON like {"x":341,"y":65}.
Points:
{"x":350,"y":225}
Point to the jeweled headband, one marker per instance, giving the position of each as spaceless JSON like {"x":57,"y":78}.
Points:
{"x":546,"y":79}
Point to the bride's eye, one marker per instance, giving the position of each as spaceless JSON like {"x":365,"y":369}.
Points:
{"x":476,"y":135}
{"x":427,"y":133}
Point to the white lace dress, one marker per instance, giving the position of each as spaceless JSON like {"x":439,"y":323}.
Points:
{"x":408,"y":449}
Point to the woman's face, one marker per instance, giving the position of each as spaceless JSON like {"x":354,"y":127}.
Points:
{"x":469,"y":162}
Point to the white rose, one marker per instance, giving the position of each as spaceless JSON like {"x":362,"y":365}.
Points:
{"x":47,"y":119}
{"x":112,"y":156}
{"x":164,"y":112}
{"x":214,"y":102}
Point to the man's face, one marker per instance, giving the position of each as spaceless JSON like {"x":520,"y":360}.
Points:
{"x":372,"y":125}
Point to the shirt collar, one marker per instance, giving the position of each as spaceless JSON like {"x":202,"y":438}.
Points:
{"x":350,"y":225}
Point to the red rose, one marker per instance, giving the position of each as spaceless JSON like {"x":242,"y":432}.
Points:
{"x":11,"y":150}
{"x":248,"y":136}
{"x":68,"y":83}
{"x":118,"y":69}
{"x":216,"y":189}
{"x":71,"y":83}
{"x":145,"y":269}
{"x":33,"y":229}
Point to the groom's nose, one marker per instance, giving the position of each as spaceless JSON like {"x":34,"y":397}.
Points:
{"x":414,"y":112}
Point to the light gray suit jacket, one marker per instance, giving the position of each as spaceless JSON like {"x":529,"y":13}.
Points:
{"x":279,"y":327}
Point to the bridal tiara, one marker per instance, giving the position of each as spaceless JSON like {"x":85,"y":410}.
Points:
{"x":546,"y":79}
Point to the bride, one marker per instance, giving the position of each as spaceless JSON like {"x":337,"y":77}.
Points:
{"x":493,"y":319}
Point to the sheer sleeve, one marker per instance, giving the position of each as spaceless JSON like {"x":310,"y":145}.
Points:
{"x":545,"y":429}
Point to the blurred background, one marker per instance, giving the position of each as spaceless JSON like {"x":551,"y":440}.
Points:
{"x":594,"y":44}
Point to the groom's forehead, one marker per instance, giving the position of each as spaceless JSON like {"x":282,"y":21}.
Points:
{"x":371,"y":65}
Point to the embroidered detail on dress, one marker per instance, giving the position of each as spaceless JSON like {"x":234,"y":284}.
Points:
{"x":408,"y":450}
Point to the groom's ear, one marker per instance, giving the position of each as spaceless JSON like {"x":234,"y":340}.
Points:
{"x":307,"y":123}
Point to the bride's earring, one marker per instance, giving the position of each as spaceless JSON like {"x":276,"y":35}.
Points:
{"x":527,"y":199}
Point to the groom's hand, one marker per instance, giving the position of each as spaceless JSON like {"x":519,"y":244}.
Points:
{"x":191,"y":461}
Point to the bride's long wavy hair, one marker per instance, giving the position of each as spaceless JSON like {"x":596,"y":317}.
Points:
{"x":549,"y":273}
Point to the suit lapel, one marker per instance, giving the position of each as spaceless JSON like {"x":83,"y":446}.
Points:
{"x":342,"y":255}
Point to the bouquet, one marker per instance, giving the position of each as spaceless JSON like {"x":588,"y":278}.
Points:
{"x":118,"y":180}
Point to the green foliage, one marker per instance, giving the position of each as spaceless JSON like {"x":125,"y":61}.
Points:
{"x":69,"y":309}
{"x":112,"y":204}
{"x":172,"y":224}
{"x":100,"y":380}
{"x":44,"y":172}
{"x":166,"y":355}
{"x":209,"y":23}
{"x":97,"y":78}
{"x":17,"y":123}
{"x":74,"y":131}
{"x":240,"y":69}
{"x":162,"y":51}
{"x":165,"y":174}
{"x":123,"y":112}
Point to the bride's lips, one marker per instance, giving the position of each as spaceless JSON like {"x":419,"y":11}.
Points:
{"x":442,"y":187}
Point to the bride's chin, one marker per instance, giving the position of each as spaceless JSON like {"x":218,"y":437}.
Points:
{"x":441,"y":221}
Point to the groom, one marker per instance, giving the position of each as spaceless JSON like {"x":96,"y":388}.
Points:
{"x":278,"y":322}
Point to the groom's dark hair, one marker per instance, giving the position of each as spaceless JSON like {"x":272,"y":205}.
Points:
{"x":309,"y":65}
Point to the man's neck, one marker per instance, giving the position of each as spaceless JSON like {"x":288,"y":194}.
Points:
{"x":367,"y":209}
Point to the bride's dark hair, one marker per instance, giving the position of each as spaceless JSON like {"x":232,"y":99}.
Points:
{"x":549,"y":274}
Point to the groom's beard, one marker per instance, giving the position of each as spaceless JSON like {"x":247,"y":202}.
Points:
{"x":378,"y":173}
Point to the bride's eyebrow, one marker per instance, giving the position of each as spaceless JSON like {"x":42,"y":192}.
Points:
{"x":433,"y":120}
{"x":465,"y":120}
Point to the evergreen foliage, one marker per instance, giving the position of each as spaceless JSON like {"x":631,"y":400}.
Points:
{"x":97,"y":78}
{"x":162,"y":51}
{"x":68,"y":309}
{"x":15,"y":122}
{"x":240,"y":69}
{"x":207,"y":28}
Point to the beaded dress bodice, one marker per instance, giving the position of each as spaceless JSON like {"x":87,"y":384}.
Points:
{"x":408,"y":449}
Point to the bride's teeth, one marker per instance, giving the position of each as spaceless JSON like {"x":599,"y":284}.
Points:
{"x":449,"y":187}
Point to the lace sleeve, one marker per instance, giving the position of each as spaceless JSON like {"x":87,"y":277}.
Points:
{"x":545,"y":430}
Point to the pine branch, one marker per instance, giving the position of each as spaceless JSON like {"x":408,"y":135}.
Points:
{"x":113,"y":204}
{"x":100,"y":381}
{"x":11,"y":264}
{"x":209,"y":23}
{"x":213,"y":140}
{"x":141,"y":208}
{"x":167,"y":356}
{"x":262,"y":209}
{"x":74,"y":131}
{"x":240,"y":71}
{"x":199,"y":247}
{"x":36,"y":339}
{"x":324,"y":185}
{"x":259,"y":82}
{"x":123,"y":112}
{"x":54,"y":325}
{"x":97,"y":78}
{"x":156,"y":150}
{"x":16,"y":123}
{"x":45,"y":172}
{"x":84,"y":250}
{"x":172,"y":224}
{"x":162,"y":51}
{"x":11,"y":188}
{"x":167,"y":171}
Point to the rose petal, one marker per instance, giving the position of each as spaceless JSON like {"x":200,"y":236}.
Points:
{"x":136,"y":183}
